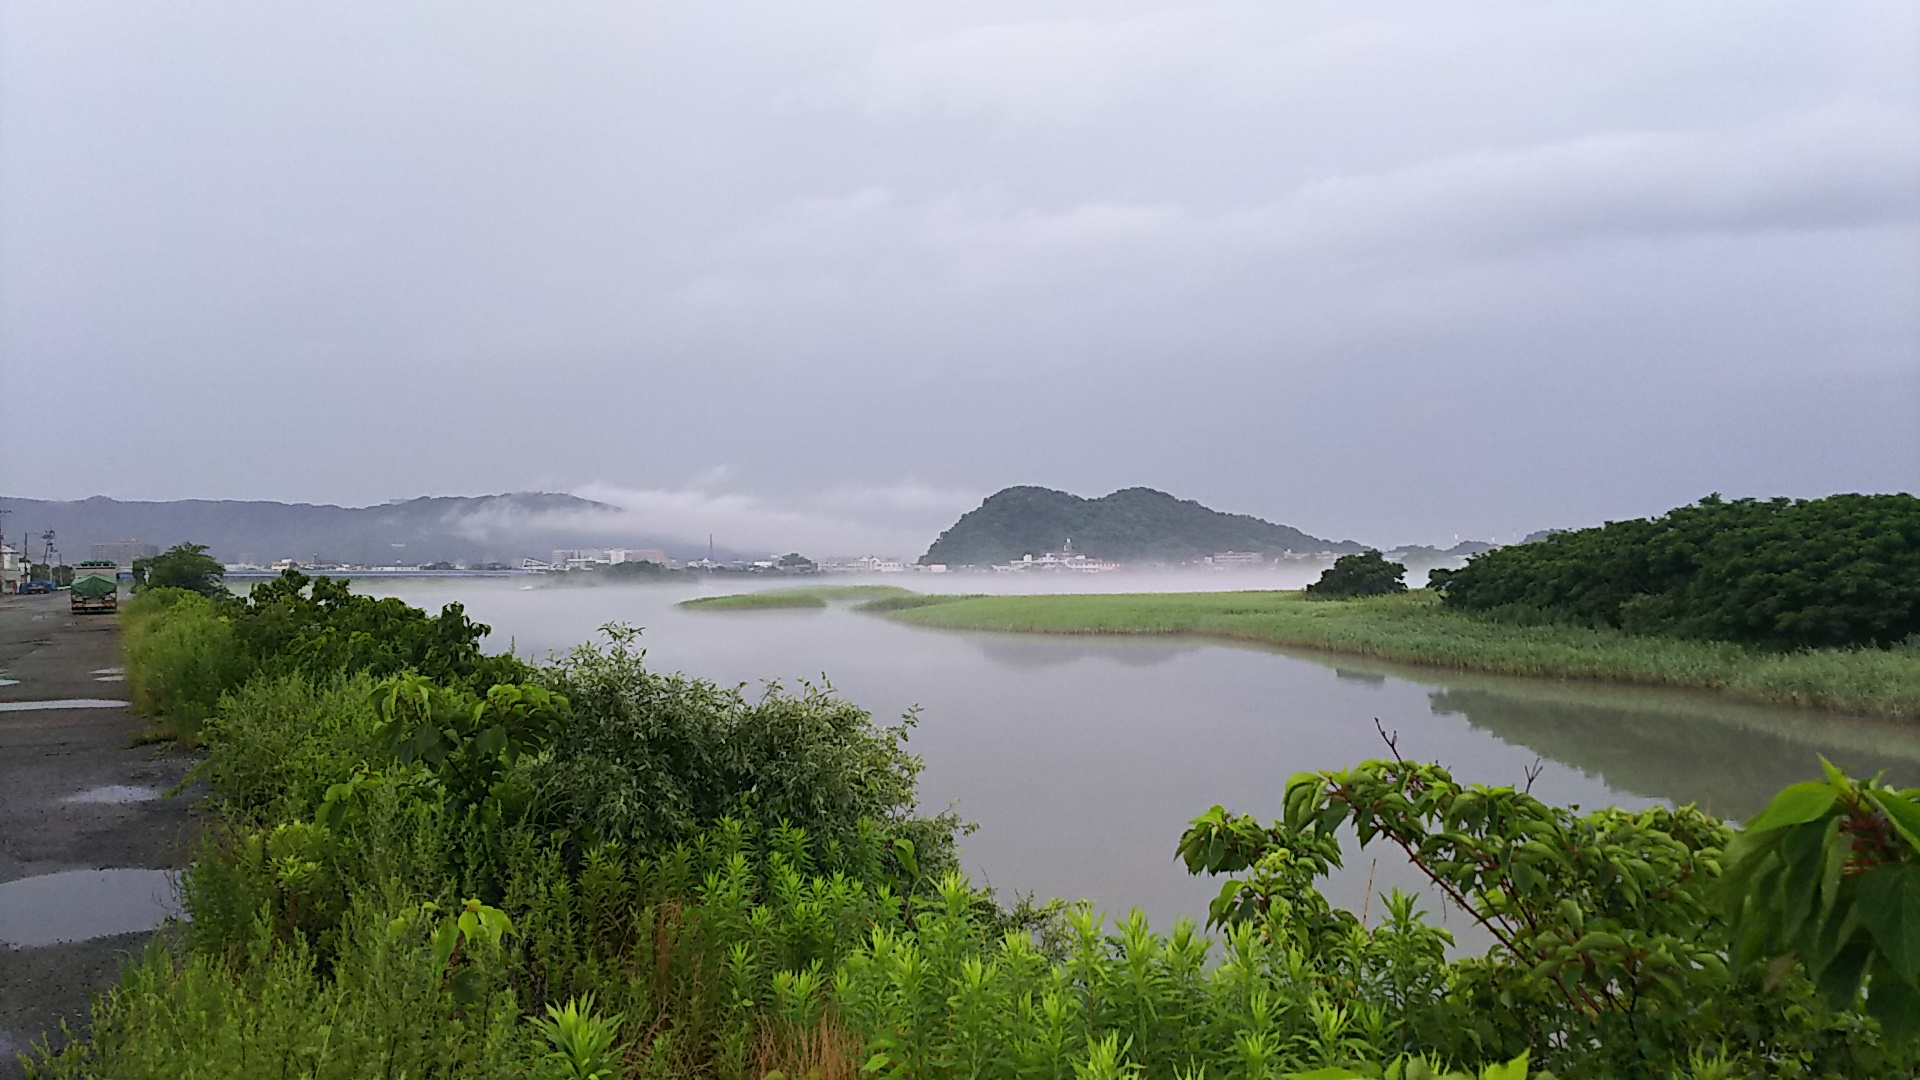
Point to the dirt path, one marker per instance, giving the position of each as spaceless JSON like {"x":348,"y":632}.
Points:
{"x":75,"y":799}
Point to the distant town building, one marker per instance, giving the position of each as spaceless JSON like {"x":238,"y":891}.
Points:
{"x":1056,"y":561}
{"x":122,"y":553}
{"x":1236,"y":559}
{"x":588,"y":558}
{"x":12,"y":571}
{"x":652,"y":555}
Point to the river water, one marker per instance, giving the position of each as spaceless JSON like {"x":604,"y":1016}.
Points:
{"x":1081,"y":759}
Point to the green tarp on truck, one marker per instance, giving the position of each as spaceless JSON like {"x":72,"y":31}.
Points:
{"x":94,"y":593}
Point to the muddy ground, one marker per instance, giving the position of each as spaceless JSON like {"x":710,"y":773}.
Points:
{"x":47,"y":757}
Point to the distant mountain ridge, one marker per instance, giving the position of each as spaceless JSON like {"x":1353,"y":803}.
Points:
{"x":429,"y":529}
{"x":1130,"y":525}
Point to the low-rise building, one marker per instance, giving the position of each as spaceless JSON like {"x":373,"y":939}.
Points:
{"x":1236,"y":559}
{"x":12,"y":570}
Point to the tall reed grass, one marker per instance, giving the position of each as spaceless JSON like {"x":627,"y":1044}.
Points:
{"x":1414,"y":629}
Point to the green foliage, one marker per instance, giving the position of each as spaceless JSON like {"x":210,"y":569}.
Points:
{"x":321,"y":627}
{"x":181,"y":655}
{"x":382,"y":1007}
{"x":650,"y":759}
{"x":1138,"y":524}
{"x":1366,"y":574}
{"x":1828,"y":878}
{"x":583,"y":1041}
{"x":184,"y":650}
{"x":909,"y":601}
{"x":1609,"y":954}
{"x":182,"y":566}
{"x":1838,"y":571}
{"x":813,"y":596}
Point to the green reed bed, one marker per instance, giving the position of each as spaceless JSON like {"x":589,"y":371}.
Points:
{"x":817,"y":596}
{"x":1412,"y":628}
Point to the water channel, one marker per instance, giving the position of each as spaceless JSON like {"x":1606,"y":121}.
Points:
{"x":1081,"y":759}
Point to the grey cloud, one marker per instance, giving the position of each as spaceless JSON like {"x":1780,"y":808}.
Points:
{"x":1387,"y":270}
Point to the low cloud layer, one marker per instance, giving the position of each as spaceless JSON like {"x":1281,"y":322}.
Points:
{"x":1382,"y":270}
{"x":846,"y":522}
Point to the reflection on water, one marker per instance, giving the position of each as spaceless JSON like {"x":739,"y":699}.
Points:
{"x":1027,"y":653}
{"x":114,"y":795}
{"x":1082,"y":758}
{"x":1709,"y":758}
{"x":80,"y":905}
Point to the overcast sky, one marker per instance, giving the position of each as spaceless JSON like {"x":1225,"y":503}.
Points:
{"x":1387,"y":271}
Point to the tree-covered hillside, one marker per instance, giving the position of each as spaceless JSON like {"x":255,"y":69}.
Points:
{"x":1131,"y":525}
{"x":465,"y":529}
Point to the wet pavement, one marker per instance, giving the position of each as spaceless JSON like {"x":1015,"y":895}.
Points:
{"x":88,"y":841}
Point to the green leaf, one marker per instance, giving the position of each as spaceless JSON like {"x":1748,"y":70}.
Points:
{"x":1804,"y":851}
{"x":467,"y":986}
{"x":1901,"y":810}
{"x":1893,"y":1001}
{"x":1512,"y":1070}
{"x":1839,"y":983}
{"x":1796,"y":804}
{"x":1889,"y":905}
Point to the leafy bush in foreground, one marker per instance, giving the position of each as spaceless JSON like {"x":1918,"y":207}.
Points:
{"x":1838,"y":571}
{"x":650,"y":759}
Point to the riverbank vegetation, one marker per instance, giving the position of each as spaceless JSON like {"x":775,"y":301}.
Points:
{"x":1415,"y":628}
{"x":592,"y":869}
{"x":810,"y":596}
{"x":1838,"y":572}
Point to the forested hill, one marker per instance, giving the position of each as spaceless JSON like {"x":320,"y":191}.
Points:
{"x":1132,"y":525}
{"x":459,"y":529}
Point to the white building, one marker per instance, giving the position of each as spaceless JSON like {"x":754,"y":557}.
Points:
{"x":12,"y":570}
{"x":1236,"y":559}
{"x":1065,"y":559}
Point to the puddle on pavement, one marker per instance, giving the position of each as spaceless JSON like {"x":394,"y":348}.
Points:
{"x":9,"y":682}
{"x":63,"y":703}
{"x":108,"y":671}
{"x":109,"y":678}
{"x":80,"y":905}
{"x":114,"y":794}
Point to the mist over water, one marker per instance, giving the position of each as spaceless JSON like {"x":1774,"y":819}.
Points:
{"x":1082,"y":758}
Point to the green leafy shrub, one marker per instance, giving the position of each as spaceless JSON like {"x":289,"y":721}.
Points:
{"x":1827,"y":879}
{"x":649,"y":759}
{"x":181,"y":655}
{"x":319,"y":626}
{"x":1366,"y":574}
{"x":1610,"y":954}
{"x":1838,"y":571}
{"x":185,"y":650}
{"x":182,"y":566}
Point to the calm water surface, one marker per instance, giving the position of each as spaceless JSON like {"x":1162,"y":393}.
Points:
{"x":1082,"y":759}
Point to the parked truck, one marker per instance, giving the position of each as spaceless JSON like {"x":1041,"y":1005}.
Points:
{"x":95,"y":588}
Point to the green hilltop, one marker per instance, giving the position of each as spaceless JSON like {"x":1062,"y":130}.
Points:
{"x":1131,"y":525}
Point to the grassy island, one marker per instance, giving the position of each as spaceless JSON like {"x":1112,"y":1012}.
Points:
{"x":816,"y":596}
{"x":1414,"y":628}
